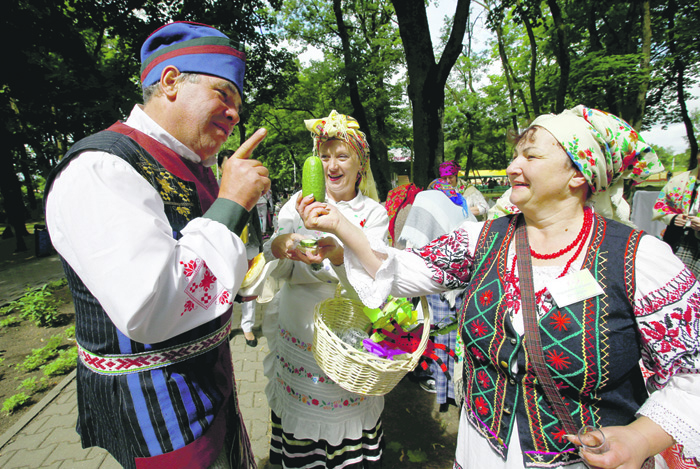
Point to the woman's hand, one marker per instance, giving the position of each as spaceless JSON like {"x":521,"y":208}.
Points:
{"x":680,"y":220}
{"x":285,"y":246}
{"x":630,"y":445}
{"x":330,"y":248}
{"x":319,"y":216}
{"x":326,"y":217}
{"x":694,"y":223}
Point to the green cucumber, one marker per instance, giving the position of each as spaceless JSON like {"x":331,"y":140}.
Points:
{"x":313,"y":179}
{"x":308,"y":243}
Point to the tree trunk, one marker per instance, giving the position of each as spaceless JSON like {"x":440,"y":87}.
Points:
{"x":12,"y":196}
{"x":679,"y":66}
{"x":378,"y":150}
{"x":28,"y":182}
{"x":562,"y":54}
{"x":637,"y":114}
{"x":426,"y":88}
{"x":533,"y":62}
{"x":509,"y":80}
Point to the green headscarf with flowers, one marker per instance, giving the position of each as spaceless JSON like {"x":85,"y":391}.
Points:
{"x":606,"y":150}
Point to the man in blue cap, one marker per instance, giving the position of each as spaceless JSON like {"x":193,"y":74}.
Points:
{"x":151,"y":249}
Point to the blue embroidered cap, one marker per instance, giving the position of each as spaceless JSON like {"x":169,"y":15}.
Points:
{"x":192,"y":48}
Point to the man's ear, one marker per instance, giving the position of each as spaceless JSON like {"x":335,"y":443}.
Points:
{"x":168,"y":81}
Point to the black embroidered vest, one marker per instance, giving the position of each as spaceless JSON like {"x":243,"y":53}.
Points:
{"x":591,"y":349}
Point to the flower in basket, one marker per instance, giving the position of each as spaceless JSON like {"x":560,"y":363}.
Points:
{"x":395,"y":310}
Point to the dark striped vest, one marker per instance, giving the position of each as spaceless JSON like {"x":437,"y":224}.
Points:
{"x":155,"y":412}
{"x":591,"y":349}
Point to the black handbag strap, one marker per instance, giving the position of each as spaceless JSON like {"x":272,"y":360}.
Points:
{"x":533,"y":340}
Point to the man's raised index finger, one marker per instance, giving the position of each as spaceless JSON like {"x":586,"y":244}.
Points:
{"x":246,"y":149}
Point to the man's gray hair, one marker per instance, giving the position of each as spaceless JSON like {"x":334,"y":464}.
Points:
{"x":154,"y":89}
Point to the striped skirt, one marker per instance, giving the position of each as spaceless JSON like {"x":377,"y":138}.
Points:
{"x":363,"y":453}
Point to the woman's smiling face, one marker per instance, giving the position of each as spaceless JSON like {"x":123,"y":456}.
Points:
{"x":341,"y":166}
{"x":540,"y":172}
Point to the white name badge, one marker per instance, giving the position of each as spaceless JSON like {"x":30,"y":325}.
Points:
{"x":574,"y":287}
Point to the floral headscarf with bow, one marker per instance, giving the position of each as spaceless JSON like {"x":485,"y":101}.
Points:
{"x":346,"y":128}
{"x":606,"y":150}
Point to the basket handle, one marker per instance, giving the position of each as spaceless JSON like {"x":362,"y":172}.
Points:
{"x":338,"y":290}
{"x":426,"y":328}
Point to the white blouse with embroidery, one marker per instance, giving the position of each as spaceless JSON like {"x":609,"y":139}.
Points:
{"x":311,"y":405}
{"x":109,"y":224}
{"x":667,"y":316}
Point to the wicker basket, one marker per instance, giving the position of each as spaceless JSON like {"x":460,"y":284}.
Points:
{"x":356,"y":370}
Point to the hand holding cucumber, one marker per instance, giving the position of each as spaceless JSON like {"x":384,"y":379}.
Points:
{"x":244,"y":180}
{"x":313,"y":183}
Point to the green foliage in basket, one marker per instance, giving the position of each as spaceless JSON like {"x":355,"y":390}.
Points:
{"x":399,"y":309}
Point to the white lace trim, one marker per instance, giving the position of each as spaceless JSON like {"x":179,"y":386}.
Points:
{"x":677,"y":427}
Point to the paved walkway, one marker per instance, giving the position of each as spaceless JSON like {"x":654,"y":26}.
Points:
{"x":45,"y":437}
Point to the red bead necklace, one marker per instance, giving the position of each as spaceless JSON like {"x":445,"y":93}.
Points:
{"x":585,"y":228}
{"x":580,"y":239}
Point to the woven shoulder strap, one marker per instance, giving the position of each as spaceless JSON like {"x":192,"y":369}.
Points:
{"x":533,"y":341}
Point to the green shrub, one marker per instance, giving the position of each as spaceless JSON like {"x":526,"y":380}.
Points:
{"x":10,"y":321}
{"x":64,"y":364}
{"x":56,"y":284}
{"x":39,"y":306}
{"x":32,"y":386}
{"x":70,"y":332}
{"x":417,"y":455}
{"x":13,"y":403}
{"x":40,"y":357}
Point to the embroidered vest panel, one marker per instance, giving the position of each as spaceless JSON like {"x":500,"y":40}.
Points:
{"x":153,"y":412}
{"x":591,"y":348}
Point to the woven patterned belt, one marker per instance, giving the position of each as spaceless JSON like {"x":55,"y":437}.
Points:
{"x":144,"y":361}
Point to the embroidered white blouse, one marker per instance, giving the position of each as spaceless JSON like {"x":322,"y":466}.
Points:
{"x":309,"y":403}
{"x":109,"y":224}
{"x":674,"y":403}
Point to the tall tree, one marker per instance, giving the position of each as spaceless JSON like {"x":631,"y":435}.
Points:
{"x":78,"y":70}
{"x":562,"y":54}
{"x":427,"y":79}
{"x":612,"y":48}
{"x":379,"y":152}
{"x":680,"y":68}
{"x":361,"y":33}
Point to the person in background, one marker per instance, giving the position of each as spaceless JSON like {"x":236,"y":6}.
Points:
{"x":503,"y":206}
{"x":461,"y":192}
{"x":315,"y":422}
{"x":253,"y":239}
{"x":677,"y":206}
{"x":563,"y":301}
{"x":432,"y":215}
{"x":151,"y":248}
{"x":265,"y":211}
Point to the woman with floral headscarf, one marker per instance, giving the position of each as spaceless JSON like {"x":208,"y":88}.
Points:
{"x":562,"y":301}
{"x":315,"y":422}
{"x":677,"y":206}
{"x":459,"y":192}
